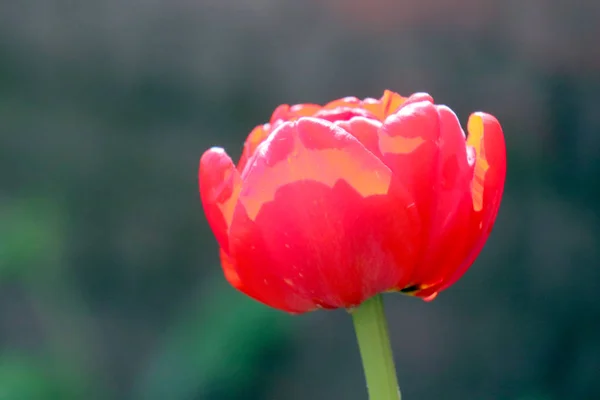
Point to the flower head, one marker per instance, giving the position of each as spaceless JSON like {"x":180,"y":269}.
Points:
{"x":330,"y":205}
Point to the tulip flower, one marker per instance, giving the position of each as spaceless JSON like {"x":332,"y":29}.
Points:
{"x":331,"y":206}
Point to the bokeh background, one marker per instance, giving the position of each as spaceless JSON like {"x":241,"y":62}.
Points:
{"x":110,"y":286}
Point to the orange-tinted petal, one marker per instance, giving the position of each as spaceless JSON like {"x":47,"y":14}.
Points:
{"x":424,"y":146}
{"x":390,"y":103}
{"x":304,"y":110}
{"x":349,"y":101}
{"x":319,"y":219}
{"x":310,"y":148}
{"x":380,"y":109}
{"x":486,"y":140}
{"x":281,"y":114}
{"x":366,"y":130}
{"x":486,"y":137}
{"x":447,"y":232}
{"x":256,"y":137}
{"x":220,"y":186}
{"x":408,"y":141}
{"x":285,"y":112}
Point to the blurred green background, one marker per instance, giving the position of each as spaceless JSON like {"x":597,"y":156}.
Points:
{"x":110,"y":286}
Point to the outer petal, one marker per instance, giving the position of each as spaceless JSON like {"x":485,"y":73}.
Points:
{"x":320,"y":221}
{"x":444,"y":244}
{"x":425,"y":146}
{"x":486,"y":140}
{"x":220,"y":186}
{"x":230,"y":271}
{"x":409,"y":141}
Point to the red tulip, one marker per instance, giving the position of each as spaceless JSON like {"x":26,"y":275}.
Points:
{"x":331,"y":205}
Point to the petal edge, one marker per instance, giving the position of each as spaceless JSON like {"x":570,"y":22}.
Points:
{"x":220,"y":184}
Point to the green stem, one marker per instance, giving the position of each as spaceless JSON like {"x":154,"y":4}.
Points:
{"x":375,"y":350}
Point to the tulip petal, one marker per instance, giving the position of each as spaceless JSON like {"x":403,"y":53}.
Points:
{"x":366,"y":130}
{"x":425,"y":146}
{"x":409,"y":141}
{"x":304,"y":110}
{"x":230,"y":271}
{"x":486,"y":140}
{"x":282,"y":114}
{"x":319,"y":221}
{"x":255,"y":269}
{"x":255,"y":138}
{"x":390,"y":103}
{"x":310,"y":148}
{"x":349,"y":101}
{"x":285,"y":113}
{"x":443,"y":247}
{"x":269,"y":289}
{"x":220,"y":186}
{"x":328,"y":247}
{"x":343,"y":114}
{"x":414,"y":98}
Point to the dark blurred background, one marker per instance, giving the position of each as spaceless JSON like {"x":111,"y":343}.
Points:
{"x":110,"y":286}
